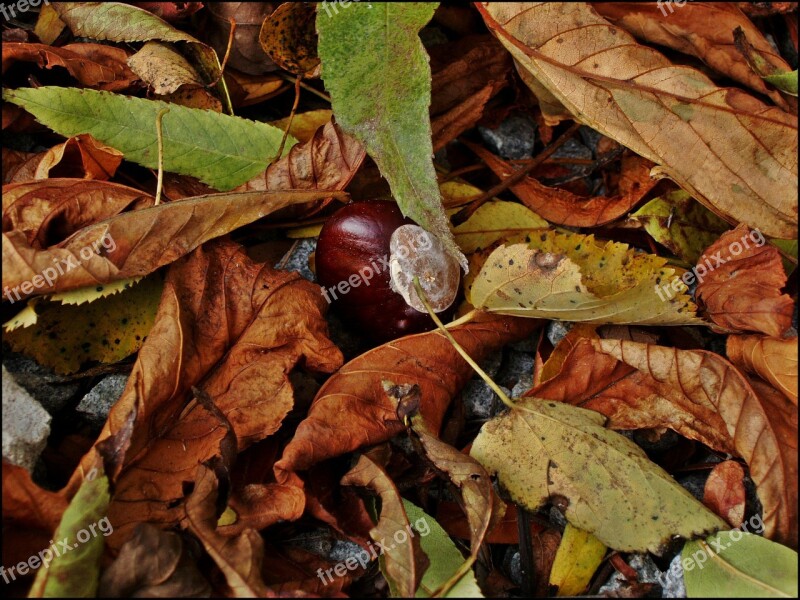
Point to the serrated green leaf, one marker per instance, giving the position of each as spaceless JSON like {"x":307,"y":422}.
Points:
{"x":611,"y":489}
{"x":444,"y":556}
{"x":75,"y":573}
{"x":681,"y":224}
{"x":220,"y":150}
{"x":106,"y":330}
{"x":379,"y":79}
{"x":786,"y":82}
{"x":737,"y":564}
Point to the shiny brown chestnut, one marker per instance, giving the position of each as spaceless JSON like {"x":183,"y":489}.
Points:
{"x":367,"y":257}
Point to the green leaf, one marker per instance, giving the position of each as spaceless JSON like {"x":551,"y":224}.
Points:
{"x":75,"y":572}
{"x":220,"y":150}
{"x":541,"y":449}
{"x":120,"y":22}
{"x":786,"y":82}
{"x":379,"y":79}
{"x":681,"y":224}
{"x":737,"y":564}
{"x":444,"y":556}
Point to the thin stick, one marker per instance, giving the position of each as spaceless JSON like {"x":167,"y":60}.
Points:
{"x":466,"y":212}
{"x":297,"y":83}
{"x":496,"y":388}
{"x":160,"y":137}
{"x":305,"y":86}
{"x":232,"y":21}
{"x":525,"y":551}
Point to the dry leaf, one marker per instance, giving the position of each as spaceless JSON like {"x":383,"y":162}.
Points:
{"x":246,"y":53}
{"x":704,"y":30}
{"x":351,"y":410}
{"x":741,"y":289}
{"x":672,"y":115}
{"x":772,"y":359}
{"x":562,"y":207}
{"x":163,"y":68}
{"x":289,"y":38}
{"x":404,"y":563}
{"x":724,"y":492}
{"x":93,"y":65}
{"x":699,"y":395}
{"x":134,"y":243}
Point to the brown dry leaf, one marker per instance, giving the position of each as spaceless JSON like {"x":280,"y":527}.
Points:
{"x":163,"y":68}
{"x":154,"y":564}
{"x":724,"y":492}
{"x":289,"y":38}
{"x":562,"y":207}
{"x":699,"y":395}
{"x":672,"y":115}
{"x":246,"y":90}
{"x":246,"y":53}
{"x":26,"y":504}
{"x":136,"y":243}
{"x":79,"y":156}
{"x":741,"y":289}
{"x":19,"y":166}
{"x":704,"y":30}
{"x":764,"y":9}
{"x":404,"y":563}
{"x":352,"y":410}
{"x":239,"y":558}
{"x":772,"y":359}
{"x":236,"y":328}
{"x":50,"y":210}
{"x":466,"y":74}
{"x":93,"y":65}
{"x":288,"y":570}
{"x":257,"y":506}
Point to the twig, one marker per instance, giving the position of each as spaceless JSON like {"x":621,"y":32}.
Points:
{"x":305,"y":86}
{"x":160,"y":137}
{"x":466,"y":212}
{"x":297,"y":83}
{"x":525,"y":551}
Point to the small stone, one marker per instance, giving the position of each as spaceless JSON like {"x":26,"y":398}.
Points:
{"x":344,"y":549}
{"x":591,"y":138}
{"x":491,"y":364}
{"x":52,"y":391}
{"x":557,"y":331}
{"x":672,"y":583}
{"x":319,"y":542}
{"x":298,"y":258}
{"x":646,"y":572}
{"x":557,"y":517}
{"x":26,"y":425}
{"x":514,"y":139}
{"x":572,"y":148}
{"x":695,"y":483}
{"x":517,"y":370}
{"x":512,"y":563}
{"x":479,"y":399}
{"x":95,"y":405}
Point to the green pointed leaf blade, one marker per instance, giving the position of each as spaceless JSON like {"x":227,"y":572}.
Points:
{"x":737,"y":564}
{"x":786,"y":82}
{"x":444,"y":556}
{"x":75,"y":573}
{"x":379,"y":79}
{"x":220,"y":150}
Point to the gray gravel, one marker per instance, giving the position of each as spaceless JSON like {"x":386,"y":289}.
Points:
{"x":95,"y":406}
{"x":52,"y":391}
{"x":514,"y":139}
{"x":26,"y":425}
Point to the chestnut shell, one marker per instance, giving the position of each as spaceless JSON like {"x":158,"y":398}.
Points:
{"x":355,"y":237}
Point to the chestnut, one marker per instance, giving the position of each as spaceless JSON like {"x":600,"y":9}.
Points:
{"x":367,"y":256}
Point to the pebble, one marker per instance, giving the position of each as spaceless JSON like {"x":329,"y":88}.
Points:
{"x":298,"y":258}
{"x":672,"y":583}
{"x":95,"y":406}
{"x":480,"y":401}
{"x":514,"y":139}
{"x":517,"y":370}
{"x":26,"y":424}
{"x":52,"y":391}
{"x":557,"y":331}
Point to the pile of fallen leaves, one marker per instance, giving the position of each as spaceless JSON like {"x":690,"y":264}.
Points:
{"x":163,"y":165}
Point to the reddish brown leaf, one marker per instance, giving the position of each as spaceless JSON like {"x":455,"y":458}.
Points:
{"x":724,"y":492}
{"x":235,"y":328}
{"x":257,"y":506}
{"x":699,"y":395}
{"x":404,"y":563}
{"x":28,"y":505}
{"x":93,"y":65}
{"x":744,"y":293}
{"x":352,"y":409}
{"x":704,"y":30}
{"x":135,"y":243}
{"x":562,"y":207}
{"x":772,"y":359}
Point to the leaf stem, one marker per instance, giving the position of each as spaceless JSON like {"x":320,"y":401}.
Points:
{"x":495,"y":388}
{"x":160,"y":138}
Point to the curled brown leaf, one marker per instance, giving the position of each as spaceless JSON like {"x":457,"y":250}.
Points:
{"x":772,"y":359}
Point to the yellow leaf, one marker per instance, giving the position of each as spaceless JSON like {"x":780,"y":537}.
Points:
{"x":573,"y":277}
{"x":577,"y":559}
{"x":65,"y":337}
{"x":93,"y":292}
{"x":305,"y":124}
{"x":494,"y":221}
